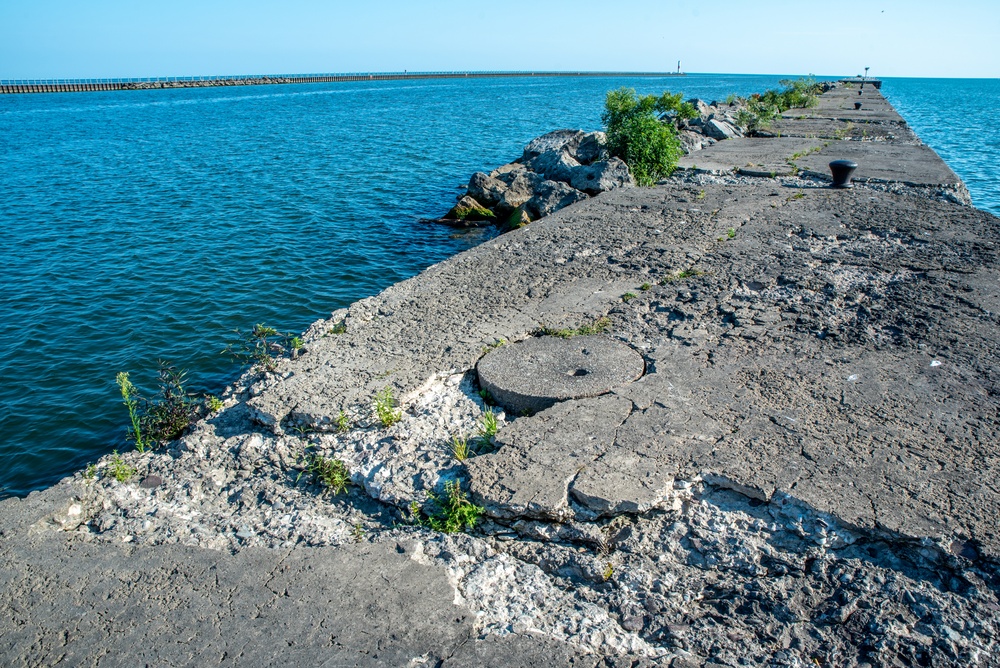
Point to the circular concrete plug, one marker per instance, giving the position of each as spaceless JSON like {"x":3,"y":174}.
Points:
{"x":534,"y":374}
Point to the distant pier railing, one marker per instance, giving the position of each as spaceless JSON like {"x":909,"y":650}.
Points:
{"x":9,"y":86}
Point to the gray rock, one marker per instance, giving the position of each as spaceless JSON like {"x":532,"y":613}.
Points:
{"x":694,"y":141}
{"x":522,"y":188}
{"x":558,"y":140}
{"x":591,"y":148}
{"x":601,"y":176}
{"x":556,"y":165}
{"x":550,"y":196}
{"x":720,"y":129}
{"x":507,"y":173}
{"x":486,"y":189}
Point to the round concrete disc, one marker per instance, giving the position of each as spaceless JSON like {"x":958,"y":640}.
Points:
{"x":534,"y":374}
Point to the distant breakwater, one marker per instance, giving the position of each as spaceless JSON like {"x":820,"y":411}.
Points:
{"x":91,"y":85}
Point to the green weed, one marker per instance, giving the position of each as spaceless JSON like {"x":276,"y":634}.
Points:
{"x":629,"y":296}
{"x":731,"y":233}
{"x":130,"y":397}
{"x":339,"y":328}
{"x":358,"y":533}
{"x":165,"y":417}
{"x":487,"y":398}
{"x":648,"y":146}
{"x":700,"y":195}
{"x":681,"y":275}
{"x":385,"y":408}
{"x":90,"y":472}
{"x":343,"y":425}
{"x":119,"y":470}
{"x":645,"y":286}
{"x":488,"y":424}
{"x":459,"y":447}
{"x":609,"y":571}
{"x":257,"y":347}
{"x":213,"y":404}
{"x":447,"y":513}
{"x":331,"y":473}
{"x":596,"y":327}
{"x":493,"y":346}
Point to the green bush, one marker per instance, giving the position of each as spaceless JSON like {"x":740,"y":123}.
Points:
{"x":762,"y":108}
{"x":649,"y":147}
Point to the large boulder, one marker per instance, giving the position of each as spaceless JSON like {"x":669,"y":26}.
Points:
{"x":486,"y":189}
{"x":719,"y":129}
{"x":591,"y":148}
{"x":507,"y":173}
{"x":468,"y":209}
{"x":522,"y":188}
{"x":557,"y":140}
{"x":694,"y":141}
{"x":554,"y":165}
{"x":600,"y":176}
{"x":550,"y":196}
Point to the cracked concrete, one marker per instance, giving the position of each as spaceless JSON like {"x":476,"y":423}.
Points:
{"x":805,"y":474}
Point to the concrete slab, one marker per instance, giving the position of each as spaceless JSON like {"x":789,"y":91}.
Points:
{"x":890,"y":163}
{"x":829,"y":128}
{"x":97,"y":604}
{"x":534,"y":374}
{"x":758,"y":156}
{"x":839,"y":104}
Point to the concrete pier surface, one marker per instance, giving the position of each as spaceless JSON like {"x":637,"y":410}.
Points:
{"x":804,"y":474}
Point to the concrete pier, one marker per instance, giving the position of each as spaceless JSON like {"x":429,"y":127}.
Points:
{"x":60,"y":86}
{"x":804,"y":474}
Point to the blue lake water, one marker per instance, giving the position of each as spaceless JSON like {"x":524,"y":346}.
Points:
{"x":147,"y":225}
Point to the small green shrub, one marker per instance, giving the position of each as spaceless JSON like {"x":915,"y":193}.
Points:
{"x":165,"y":417}
{"x":339,"y":328}
{"x":648,"y":146}
{"x":213,"y":404}
{"x":731,"y":233}
{"x":646,"y":286}
{"x":331,"y":473}
{"x":119,"y":470}
{"x":448,"y":513}
{"x":629,"y":296}
{"x":385,"y":408}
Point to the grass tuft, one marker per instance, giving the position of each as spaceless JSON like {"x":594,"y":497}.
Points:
{"x":681,"y":275}
{"x":596,"y":327}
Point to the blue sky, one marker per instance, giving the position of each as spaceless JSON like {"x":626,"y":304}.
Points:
{"x":112,"y":38}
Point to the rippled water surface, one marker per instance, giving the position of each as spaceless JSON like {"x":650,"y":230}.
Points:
{"x":146,"y":225}
{"x":960,"y":119}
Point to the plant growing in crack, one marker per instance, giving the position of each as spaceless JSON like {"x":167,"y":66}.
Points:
{"x":119,"y":470}
{"x":450,"y":512}
{"x":343,"y":424}
{"x":386,"y":409}
{"x":459,"y":447}
{"x":598,"y":326}
{"x":329,"y":472}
